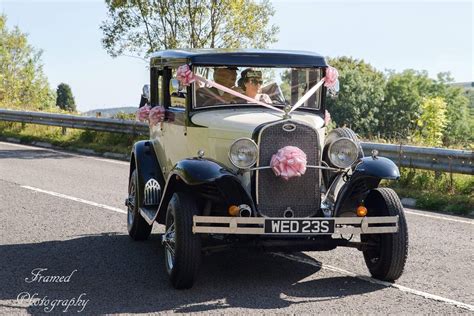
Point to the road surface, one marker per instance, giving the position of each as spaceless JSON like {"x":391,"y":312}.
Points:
{"x":62,"y":215}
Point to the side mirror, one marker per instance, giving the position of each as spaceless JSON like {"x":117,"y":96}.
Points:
{"x":146,"y":92}
{"x":334,"y":91}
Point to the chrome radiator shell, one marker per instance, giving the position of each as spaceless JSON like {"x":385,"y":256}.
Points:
{"x":275,"y":195}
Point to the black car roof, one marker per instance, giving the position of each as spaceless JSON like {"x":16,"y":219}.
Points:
{"x":238,"y":57}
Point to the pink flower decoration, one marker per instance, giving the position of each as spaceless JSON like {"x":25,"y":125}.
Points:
{"x":142,"y":113}
{"x":331,"y":77}
{"x":289,"y":162}
{"x":327,"y":117}
{"x":157,"y":115}
{"x":185,"y":75}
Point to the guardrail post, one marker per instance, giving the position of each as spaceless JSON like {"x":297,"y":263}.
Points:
{"x":451,"y":181}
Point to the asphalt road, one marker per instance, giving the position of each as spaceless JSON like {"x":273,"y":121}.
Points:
{"x":65,"y":213}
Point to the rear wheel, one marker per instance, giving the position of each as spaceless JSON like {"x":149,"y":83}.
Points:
{"x":386,"y":260}
{"x":137,"y":226}
{"x":182,"y":247}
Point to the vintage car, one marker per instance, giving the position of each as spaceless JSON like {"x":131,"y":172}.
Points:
{"x":223,"y":169}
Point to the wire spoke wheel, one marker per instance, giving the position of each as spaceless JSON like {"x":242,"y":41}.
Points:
{"x":131,"y":202}
{"x":182,"y":247}
{"x":169,"y":241}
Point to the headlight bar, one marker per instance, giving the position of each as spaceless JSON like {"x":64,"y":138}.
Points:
{"x":307,"y":166}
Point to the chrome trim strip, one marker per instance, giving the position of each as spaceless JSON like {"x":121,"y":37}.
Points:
{"x":151,"y":192}
{"x":145,"y":216}
{"x":152,"y":220}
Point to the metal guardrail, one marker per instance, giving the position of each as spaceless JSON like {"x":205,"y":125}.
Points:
{"x":437,"y":159}
{"x":73,"y":121}
{"x":428,"y":158}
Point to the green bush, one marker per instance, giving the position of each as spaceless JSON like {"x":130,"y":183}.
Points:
{"x":436,"y":191}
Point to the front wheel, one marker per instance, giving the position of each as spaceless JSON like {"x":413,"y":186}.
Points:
{"x":182,"y":247}
{"x":386,"y":260}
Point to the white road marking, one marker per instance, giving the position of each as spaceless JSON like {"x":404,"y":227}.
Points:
{"x":467,"y":221}
{"x":375,"y":281}
{"x":66,"y":153}
{"x":72,"y":198}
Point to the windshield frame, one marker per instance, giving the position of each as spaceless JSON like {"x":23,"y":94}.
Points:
{"x":321,"y":93}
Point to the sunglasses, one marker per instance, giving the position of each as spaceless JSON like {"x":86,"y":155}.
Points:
{"x":256,"y":82}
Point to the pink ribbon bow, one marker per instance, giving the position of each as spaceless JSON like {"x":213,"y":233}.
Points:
{"x":142,"y":113}
{"x":185,"y":75}
{"x":331,"y":77}
{"x":157,"y":115}
{"x":289,"y":162}
{"x":327,"y":117}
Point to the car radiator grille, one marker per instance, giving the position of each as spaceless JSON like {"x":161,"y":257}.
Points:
{"x":301,"y":194}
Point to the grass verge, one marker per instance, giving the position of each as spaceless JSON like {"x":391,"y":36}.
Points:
{"x":100,"y":142}
{"x":436,"y":191}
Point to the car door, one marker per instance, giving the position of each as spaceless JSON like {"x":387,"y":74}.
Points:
{"x":173,"y":129}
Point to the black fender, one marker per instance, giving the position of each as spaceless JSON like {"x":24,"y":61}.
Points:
{"x":366,"y":175}
{"x":143,"y":159}
{"x":379,"y":167}
{"x":205,"y":179}
{"x":195,"y":171}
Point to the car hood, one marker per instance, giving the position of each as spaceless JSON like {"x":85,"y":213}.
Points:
{"x":244,"y":121}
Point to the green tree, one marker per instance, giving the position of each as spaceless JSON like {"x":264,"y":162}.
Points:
{"x":22,"y":80}
{"x":402,"y":108}
{"x":65,"y":99}
{"x":144,"y":26}
{"x":360,"y":97}
{"x":459,"y":126}
{"x":404,"y":94}
{"x":432,"y":121}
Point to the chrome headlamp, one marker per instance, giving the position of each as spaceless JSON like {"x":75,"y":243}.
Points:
{"x":243,"y":153}
{"x":343,"y":152}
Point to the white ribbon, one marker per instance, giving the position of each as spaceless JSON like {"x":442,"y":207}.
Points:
{"x":307,"y":95}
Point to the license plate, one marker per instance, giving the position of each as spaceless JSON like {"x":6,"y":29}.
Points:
{"x":299,"y":226}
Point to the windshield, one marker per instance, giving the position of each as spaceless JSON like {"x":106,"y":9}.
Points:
{"x":276,"y":86}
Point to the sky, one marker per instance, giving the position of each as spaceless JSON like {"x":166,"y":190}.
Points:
{"x":436,"y":36}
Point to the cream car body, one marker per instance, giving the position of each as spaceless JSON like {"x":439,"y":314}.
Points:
{"x":217,"y":130}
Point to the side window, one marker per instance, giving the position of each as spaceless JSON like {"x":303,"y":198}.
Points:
{"x":178,"y":92}
{"x":156,"y":87}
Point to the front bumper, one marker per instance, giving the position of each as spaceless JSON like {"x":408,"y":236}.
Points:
{"x":255,"y":225}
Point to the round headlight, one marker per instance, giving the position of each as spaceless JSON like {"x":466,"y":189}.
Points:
{"x":343,"y":152}
{"x":243,"y":153}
